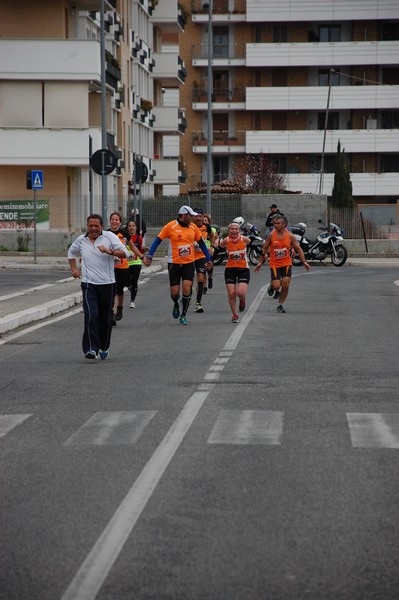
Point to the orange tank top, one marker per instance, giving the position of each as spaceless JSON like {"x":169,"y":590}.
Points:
{"x":237,"y":254}
{"x":280,"y":250}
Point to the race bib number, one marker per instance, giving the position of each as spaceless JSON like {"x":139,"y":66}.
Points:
{"x":184,"y":251}
{"x":280,"y":253}
{"x":237,"y":255}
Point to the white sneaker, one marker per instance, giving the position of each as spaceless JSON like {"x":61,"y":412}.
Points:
{"x":132,"y":305}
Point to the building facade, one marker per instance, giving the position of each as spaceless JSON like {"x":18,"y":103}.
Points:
{"x":290,"y":80}
{"x":52,"y":105}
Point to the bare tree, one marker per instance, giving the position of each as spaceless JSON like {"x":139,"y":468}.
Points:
{"x":258,"y":173}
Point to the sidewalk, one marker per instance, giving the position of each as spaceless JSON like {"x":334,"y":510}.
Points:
{"x":40,"y":302}
{"x":37,"y":303}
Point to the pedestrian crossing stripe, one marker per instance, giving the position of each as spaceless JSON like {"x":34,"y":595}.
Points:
{"x":374,"y":430}
{"x":247,"y":427}
{"x":112,"y":428}
{"x":244,"y":427}
{"x":9,"y":422}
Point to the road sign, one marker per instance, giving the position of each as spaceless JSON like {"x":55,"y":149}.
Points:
{"x":103,"y":161}
{"x":37,"y":180}
{"x":140,"y":172}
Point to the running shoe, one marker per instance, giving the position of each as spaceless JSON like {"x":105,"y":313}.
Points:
{"x":276,"y":294}
{"x":119,"y":311}
{"x":176,"y":310}
{"x":113,"y":321}
{"x":210,"y":283}
{"x":103,"y":354}
{"x":235,"y":319}
{"x":270,"y":289}
{"x":132,"y":305}
{"x":242,"y":305}
{"x":280,"y":308}
{"x":199,"y":308}
{"x":183,"y":320}
{"x":91,"y":354}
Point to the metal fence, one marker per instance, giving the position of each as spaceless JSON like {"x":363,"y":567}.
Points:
{"x":370,"y":221}
{"x":158,"y":211}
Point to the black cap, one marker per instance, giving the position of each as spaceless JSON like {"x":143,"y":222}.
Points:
{"x":199,"y":211}
{"x":273,"y":206}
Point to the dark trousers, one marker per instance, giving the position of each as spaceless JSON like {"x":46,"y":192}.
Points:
{"x":98,"y":303}
{"x":134,"y":272}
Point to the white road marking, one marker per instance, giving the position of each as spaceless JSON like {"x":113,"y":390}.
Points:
{"x":34,"y":289}
{"x":374,"y":430}
{"x":98,"y":563}
{"x":8,"y":422}
{"x":248,"y":427}
{"x":112,"y":428}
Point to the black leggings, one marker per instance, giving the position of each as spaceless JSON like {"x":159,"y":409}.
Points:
{"x":134,"y":273}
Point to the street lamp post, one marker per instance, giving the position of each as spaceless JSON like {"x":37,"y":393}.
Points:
{"x":209,"y":6}
{"x":103,"y":112}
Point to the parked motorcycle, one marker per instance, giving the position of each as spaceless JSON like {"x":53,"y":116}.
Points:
{"x":254,"y":248}
{"x":328,"y":243}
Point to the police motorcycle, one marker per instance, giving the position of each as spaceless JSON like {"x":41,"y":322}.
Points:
{"x":327,"y":243}
{"x":254,"y":248}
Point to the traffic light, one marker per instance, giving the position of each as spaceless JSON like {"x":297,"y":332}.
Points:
{"x":28,"y":180}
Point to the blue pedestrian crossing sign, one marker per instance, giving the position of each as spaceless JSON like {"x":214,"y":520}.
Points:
{"x":37,"y":180}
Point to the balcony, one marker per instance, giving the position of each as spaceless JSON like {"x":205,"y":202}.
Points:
{"x":169,"y":17}
{"x":169,"y":120}
{"x":167,"y":171}
{"x":315,"y":97}
{"x":287,"y":11}
{"x":50,"y":60}
{"x":363,"y":141}
{"x":322,"y":54}
{"x":44,"y":146}
{"x":224,"y":11}
{"x":223,"y":99}
{"x":223,"y":55}
{"x":169,"y":68}
{"x":363,"y":184}
{"x":223,"y":142}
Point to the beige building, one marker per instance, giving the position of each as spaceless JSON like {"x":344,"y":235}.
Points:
{"x":51,"y":110}
{"x":277,"y":67}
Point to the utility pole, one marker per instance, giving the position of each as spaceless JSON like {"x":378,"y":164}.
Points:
{"x":104,"y":207}
{"x":325,"y":133}
{"x":209,"y":6}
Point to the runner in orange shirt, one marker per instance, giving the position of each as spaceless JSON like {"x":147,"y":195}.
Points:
{"x":278,"y":245}
{"x":236,"y":274}
{"x":181,"y":234}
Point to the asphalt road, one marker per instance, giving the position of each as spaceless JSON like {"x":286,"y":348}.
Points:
{"x":212,"y":461}
{"x":21,"y":279}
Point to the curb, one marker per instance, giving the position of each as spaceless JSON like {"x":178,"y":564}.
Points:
{"x":36,"y":313}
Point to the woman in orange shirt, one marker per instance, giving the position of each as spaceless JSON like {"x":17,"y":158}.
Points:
{"x":236,"y":274}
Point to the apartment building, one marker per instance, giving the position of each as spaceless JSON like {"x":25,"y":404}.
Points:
{"x":278,"y":68}
{"x":52,"y":102}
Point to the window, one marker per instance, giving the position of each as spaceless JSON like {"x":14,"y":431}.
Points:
{"x":390,"y":31}
{"x":330,"y":33}
{"x":389,"y":163}
{"x":324,"y":75}
{"x":315,"y":164}
{"x":280,"y":35}
{"x":280,"y":163}
{"x":390,"y":120}
{"x":332,"y":122}
{"x":221,"y":170}
{"x":220,"y":42}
